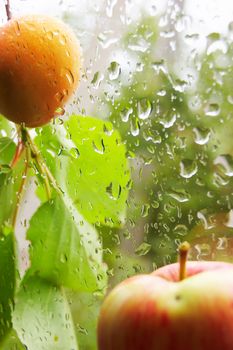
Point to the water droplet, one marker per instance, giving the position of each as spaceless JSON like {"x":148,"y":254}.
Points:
{"x":140,"y":45}
{"x":59,"y":96}
{"x":218,"y":45}
{"x":62,"y":39}
{"x":153,"y":10}
{"x":155,"y":204}
{"x":195,"y":102}
{"x":110,"y":6}
{"x":180,"y":85}
{"x":212,"y":110}
{"x":74,"y":152}
{"x":108,"y":129}
{"x":159,"y":66}
{"x":203,"y":250}
{"x":202,"y":135}
{"x":143,"y":249}
{"x":49,"y":35}
{"x":69,"y":75}
{"x":181,"y":230}
{"x":226,"y":163}
{"x":145,"y":210}
{"x":206,"y":220}
{"x":114,"y":70}
{"x":191,"y":39}
{"x":59,"y":112}
{"x":230,"y":99}
{"x":179,"y":195}
{"x":125,"y":113}
{"x":82,"y":330}
{"x":144,"y":109}
{"x":6,"y":230}
{"x":135,"y":127}
{"x":139,"y":67}
{"x":163,"y":21}
{"x":188,"y":168}
{"x":114,"y":192}
{"x":148,"y":135}
{"x":167,"y":34}
{"x":97,"y":78}
{"x":100,"y":147}
{"x":169,"y":119}
{"x":182,"y":23}
{"x":220,"y":179}
{"x":127,"y":234}
{"x":162,"y":92}
{"x":5,"y":169}
{"x":63,"y":258}
{"x":106,"y":41}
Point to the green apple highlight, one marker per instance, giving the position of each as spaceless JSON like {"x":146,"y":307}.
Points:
{"x":178,"y":307}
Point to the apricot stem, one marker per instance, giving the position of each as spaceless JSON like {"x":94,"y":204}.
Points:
{"x":183,"y":254}
{"x":8,"y":10}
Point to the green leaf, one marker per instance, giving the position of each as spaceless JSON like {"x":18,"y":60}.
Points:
{"x":6,"y":192}
{"x":5,"y":169}
{"x":88,"y":160}
{"x":42,"y":317}
{"x":10,"y":181}
{"x":85,"y":311}
{"x":64,"y":249}
{"x":7,"y":150}
{"x":6,"y":127}
{"x":12,"y":342}
{"x":7,"y":283}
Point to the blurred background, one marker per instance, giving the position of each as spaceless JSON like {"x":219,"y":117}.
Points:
{"x":162,"y":73}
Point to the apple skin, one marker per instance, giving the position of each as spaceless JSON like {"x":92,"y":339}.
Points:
{"x":158,"y":312}
{"x":39,"y":68}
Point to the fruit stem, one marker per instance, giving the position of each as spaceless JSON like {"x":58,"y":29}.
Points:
{"x":8,"y":10}
{"x":183,"y":254}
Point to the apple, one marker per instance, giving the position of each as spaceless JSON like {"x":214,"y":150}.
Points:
{"x":182,"y":306}
{"x":39,"y":68}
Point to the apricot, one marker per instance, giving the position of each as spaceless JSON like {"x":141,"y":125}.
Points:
{"x":39,"y":68}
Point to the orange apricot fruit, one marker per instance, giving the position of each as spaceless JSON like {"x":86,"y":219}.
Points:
{"x":39,"y":68}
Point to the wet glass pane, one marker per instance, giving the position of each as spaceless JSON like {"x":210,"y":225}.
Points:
{"x":122,"y":149}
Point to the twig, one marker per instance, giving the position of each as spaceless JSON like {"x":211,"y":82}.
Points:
{"x":8,"y":10}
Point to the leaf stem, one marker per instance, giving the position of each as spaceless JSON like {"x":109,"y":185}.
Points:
{"x":19,"y":149}
{"x":183,"y":254}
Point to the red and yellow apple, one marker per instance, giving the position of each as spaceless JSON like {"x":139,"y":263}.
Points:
{"x":39,"y":68}
{"x":177,"y":307}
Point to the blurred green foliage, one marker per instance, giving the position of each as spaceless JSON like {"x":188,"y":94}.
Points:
{"x":179,"y":142}
{"x":178,"y":139}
